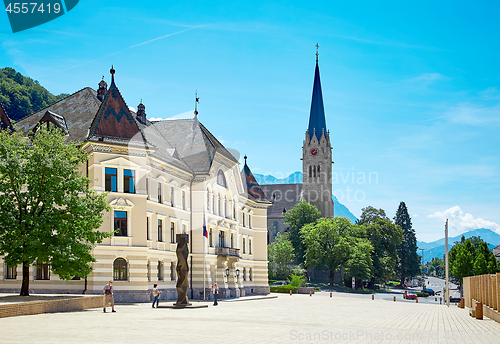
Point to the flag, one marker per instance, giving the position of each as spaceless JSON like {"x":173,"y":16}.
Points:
{"x":205,"y":232}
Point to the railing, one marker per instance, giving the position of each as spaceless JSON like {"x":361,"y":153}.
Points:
{"x":227,"y":251}
{"x":484,"y":289}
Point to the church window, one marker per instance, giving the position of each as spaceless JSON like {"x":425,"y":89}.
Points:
{"x":110,"y":179}
{"x":310,"y":172}
{"x":128,"y":181}
{"x":120,"y":218}
{"x":120,"y":269}
{"x":319,"y":175}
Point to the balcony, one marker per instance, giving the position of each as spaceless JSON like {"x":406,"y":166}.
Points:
{"x":227,"y":251}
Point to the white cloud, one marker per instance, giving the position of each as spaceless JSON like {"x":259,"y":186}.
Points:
{"x":131,"y":108}
{"x":460,"y":222}
{"x":154,"y":119}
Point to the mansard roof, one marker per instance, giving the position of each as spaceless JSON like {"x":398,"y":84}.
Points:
{"x":252,"y":188}
{"x":113,"y":122}
{"x":4,"y":119}
{"x":317,"y":121}
{"x":78,"y":110}
{"x":193,"y":142}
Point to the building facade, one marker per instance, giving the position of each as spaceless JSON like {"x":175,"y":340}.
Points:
{"x":162,"y":178}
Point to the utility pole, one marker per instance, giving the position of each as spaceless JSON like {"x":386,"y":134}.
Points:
{"x":447,"y":287}
{"x":422,"y":262}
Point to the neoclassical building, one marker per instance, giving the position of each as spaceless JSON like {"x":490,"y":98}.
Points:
{"x":163,"y":178}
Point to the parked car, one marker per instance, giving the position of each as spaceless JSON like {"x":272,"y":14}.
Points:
{"x":429,"y":291}
{"x":409,"y":294}
{"x":278,"y":283}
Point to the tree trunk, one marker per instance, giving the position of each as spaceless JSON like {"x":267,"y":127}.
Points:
{"x":26,"y":280}
{"x":402,"y":276}
{"x":331,"y":277}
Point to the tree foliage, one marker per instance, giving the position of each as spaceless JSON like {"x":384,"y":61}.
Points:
{"x":301,"y":214}
{"x":332,"y":242}
{"x":47,"y":213}
{"x":21,"y":96}
{"x":280,"y":256}
{"x":409,"y":263}
{"x":371,"y":215}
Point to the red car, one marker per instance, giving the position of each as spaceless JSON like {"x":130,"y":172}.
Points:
{"x":410,"y":295}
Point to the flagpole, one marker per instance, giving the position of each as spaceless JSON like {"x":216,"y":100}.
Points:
{"x":204,"y":244}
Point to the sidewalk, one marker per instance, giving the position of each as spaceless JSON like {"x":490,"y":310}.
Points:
{"x":285,"y":319}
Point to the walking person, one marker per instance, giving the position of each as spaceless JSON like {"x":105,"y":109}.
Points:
{"x":108,"y":296}
{"x":156,"y":295}
{"x":215,"y":290}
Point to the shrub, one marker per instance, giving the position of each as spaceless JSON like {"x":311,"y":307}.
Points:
{"x":422,"y":294}
{"x":287,"y":288}
{"x":317,"y":289}
{"x":297,"y":281}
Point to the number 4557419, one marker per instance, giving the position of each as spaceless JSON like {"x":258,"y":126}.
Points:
{"x":32,"y":7}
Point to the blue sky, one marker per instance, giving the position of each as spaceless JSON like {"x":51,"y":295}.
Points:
{"x":411,"y":90}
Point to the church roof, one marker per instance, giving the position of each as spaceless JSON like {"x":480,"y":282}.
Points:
{"x":78,"y":110}
{"x":193,"y":142}
{"x":317,"y":121}
{"x":4,"y":119}
{"x":56,"y":119}
{"x":252,"y":188}
{"x":114,"y":122}
{"x":283,"y":197}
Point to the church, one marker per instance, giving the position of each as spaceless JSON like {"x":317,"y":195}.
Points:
{"x":316,"y":186}
{"x":162,"y":178}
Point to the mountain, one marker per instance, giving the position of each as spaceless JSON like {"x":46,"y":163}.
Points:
{"x":339,"y":209}
{"x":22,"y":96}
{"x":437,"y":248}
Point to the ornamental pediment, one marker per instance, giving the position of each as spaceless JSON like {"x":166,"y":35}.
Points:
{"x":121,"y":202}
{"x":120,"y":162}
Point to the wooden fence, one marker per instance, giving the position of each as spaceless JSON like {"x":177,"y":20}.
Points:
{"x":484,"y":289}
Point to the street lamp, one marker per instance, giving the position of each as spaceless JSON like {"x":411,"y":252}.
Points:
{"x":423,"y":249}
{"x":227,"y":272}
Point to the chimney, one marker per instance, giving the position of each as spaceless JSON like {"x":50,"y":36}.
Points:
{"x":103,"y":89}
{"x":141,"y":113}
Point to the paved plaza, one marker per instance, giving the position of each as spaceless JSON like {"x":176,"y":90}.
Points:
{"x":344,"y":318}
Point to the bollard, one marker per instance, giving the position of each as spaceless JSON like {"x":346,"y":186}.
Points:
{"x":416,"y":300}
{"x":462,"y":303}
{"x":290,"y":293}
{"x":479,"y":311}
{"x":394,"y":298}
{"x":440,"y":298}
{"x":310,"y":293}
{"x":435,"y":299}
{"x":330,"y":294}
{"x":373,"y":297}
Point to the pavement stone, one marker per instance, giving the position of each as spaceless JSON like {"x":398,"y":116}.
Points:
{"x":344,"y":318}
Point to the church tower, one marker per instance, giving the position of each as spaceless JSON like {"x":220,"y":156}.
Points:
{"x":317,"y":155}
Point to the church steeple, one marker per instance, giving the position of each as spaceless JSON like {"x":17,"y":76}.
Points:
{"x":317,"y":121}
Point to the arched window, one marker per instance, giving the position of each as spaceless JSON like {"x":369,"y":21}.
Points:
{"x":314,"y":171}
{"x":149,"y":271}
{"x":172,"y":271}
{"x":120,"y":272}
{"x":244,"y":274}
{"x":160,"y":270}
{"x":221,"y":179}
{"x":250,"y":274}
{"x":310,"y":172}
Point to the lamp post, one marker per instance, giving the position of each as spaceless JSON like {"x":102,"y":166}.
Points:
{"x":237,"y":274}
{"x":422,"y":249}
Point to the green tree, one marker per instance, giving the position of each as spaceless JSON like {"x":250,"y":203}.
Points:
{"x":47,"y":213}
{"x":385,"y":237}
{"x":280,"y":256}
{"x":301,"y":214}
{"x":371,"y":215}
{"x":360,"y":263}
{"x":409,"y":260}
{"x":331,"y":242}
{"x":437,"y":266}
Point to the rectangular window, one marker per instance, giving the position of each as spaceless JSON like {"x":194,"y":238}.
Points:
{"x":120,"y":223}
{"x":249,"y":246}
{"x":172,"y":196}
{"x":128,"y":181}
{"x":160,"y":230}
{"x":159,"y":192}
{"x":183,"y":229}
{"x":42,"y":271}
{"x":10,"y":272}
{"x":243,"y":220}
{"x":244,"y":245}
{"x":147,"y":188}
{"x":172,"y":271}
{"x":249,"y":221}
{"x":172,"y":233}
{"x":148,"y":236}
{"x":110,"y":179}
{"x":183,"y":199}
{"x":210,"y":235}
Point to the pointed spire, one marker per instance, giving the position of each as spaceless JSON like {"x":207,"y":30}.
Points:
{"x":251,"y":186}
{"x":196,"y":101}
{"x":141,"y":113}
{"x":317,"y":121}
{"x":4,"y":120}
{"x":112,"y":71}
